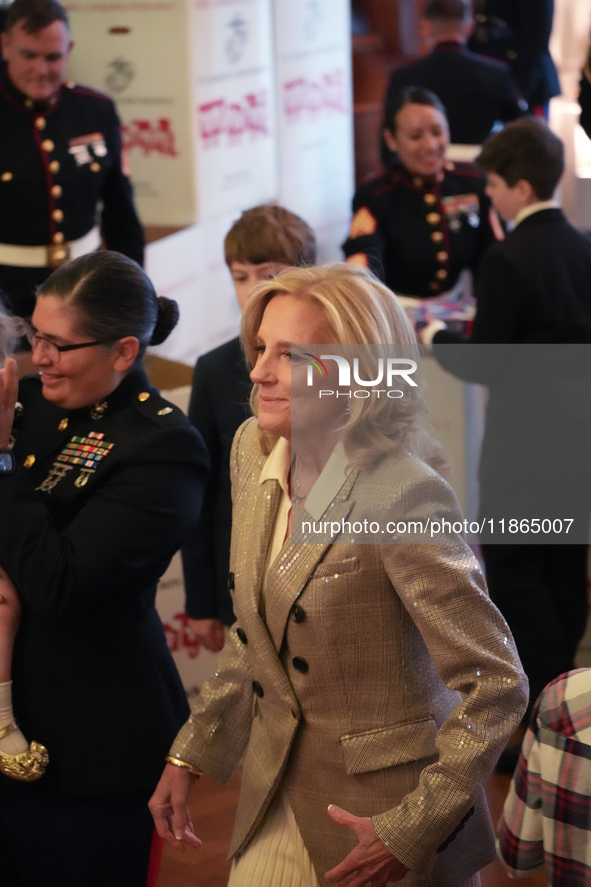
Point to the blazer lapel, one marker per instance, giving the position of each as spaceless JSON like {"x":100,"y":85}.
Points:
{"x":255,"y":516}
{"x":297,"y":560}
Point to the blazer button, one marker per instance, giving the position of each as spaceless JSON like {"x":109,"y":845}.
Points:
{"x":242,"y":635}
{"x":300,"y":664}
{"x":230,"y":582}
{"x":258,"y":690}
{"x":298,"y":613}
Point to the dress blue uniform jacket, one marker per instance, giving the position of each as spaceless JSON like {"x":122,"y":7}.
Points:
{"x":518,"y":32}
{"x":427,"y":231}
{"x":88,"y":524}
{"x":476,"y":91}
{"x":58,"y":160}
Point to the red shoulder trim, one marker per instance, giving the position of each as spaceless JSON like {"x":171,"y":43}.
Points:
{"x":85,"y":90}
{"x":465,"y":169}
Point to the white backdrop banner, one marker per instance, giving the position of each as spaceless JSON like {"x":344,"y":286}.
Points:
{"x":194,"y":86}
{"x":313,"y":69}
{"x":235,"y":104}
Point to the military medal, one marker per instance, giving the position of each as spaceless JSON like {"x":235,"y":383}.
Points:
{"x":86,"y":452}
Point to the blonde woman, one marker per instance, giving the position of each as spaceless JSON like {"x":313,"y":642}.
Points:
{"x":340,"y":683}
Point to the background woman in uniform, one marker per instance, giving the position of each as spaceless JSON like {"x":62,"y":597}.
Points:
{"x":340,"y":682}
{"x":107,"y":479}
{"x":421,"y":224}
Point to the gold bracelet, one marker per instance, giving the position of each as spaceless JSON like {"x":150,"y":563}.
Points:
{"x":183,"y":764}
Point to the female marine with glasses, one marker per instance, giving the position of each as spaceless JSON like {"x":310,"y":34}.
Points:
{"x":100,"y":480}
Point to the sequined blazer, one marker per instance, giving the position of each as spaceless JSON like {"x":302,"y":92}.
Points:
{"x":349,"y":691}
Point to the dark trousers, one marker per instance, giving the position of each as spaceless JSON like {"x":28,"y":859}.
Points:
{"x":48,"y":839}
{"x":541,"y":590}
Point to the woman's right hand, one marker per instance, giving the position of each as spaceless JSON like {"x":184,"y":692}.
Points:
{"x":8,"y":396}
{"x":169,"y":805}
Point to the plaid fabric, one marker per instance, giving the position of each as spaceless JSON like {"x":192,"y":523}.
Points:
{"x":546,"y":823}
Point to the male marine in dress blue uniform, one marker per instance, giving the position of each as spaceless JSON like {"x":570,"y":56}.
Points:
{"x":60,"y":156}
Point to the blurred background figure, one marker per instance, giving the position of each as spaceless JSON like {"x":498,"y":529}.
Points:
{"x":476,"y":92}
{"x":547,"y":817}
{"x":264,"y":241}
{"x":60,"y":158}
{"x":518,"y":32}
{"x":418,"y":227}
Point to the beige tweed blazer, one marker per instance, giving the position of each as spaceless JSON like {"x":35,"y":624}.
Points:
{"x":349,"y":691}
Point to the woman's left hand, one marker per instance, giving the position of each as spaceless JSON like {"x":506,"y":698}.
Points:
{"x":370,"y":862}
{"x":8,"y":396}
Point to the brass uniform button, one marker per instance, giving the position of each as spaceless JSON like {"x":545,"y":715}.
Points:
{"x":6,"y":176}
{"x":143,"y":396}
{"x":58,"y":237}
{"x":29,"y":462}
{"x":54,"y":166}
{"x":57,"y":215}
{"x":433,"y":218}
{"x":40,"y":122}
{"x":47,"y":145}
{"x":63,"y":425}
{"x":430,"y":199}
{"x":441,"y":274}
{"x":59,"y":255}
{"x":512,"y":55}
{"x":437,"y":236}
{"x":442,"y":256}
{"x":435,"y":287}
{"x":56,"y":191}
{"x":95,"y":167}
{"x":417,"y":182}
{"x":28,"y":103}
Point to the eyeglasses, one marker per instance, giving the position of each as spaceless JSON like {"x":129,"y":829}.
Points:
{"x":53,"y":351}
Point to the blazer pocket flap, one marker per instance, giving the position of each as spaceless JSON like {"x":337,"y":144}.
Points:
{"x":389,"y":746}
{"x":336,"y":567}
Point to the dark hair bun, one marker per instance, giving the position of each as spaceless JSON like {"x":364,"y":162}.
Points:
{"x":168,"y":317}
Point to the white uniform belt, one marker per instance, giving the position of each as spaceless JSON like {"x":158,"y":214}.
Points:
{"x":49,"y":256}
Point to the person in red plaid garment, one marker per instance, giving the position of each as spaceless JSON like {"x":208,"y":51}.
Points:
{"x":546,"y":821}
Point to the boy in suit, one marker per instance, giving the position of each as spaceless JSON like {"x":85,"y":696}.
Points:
{"x":531,"y":288}
{"x":264,"y":241}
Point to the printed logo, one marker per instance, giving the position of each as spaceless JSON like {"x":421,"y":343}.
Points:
{"x":314,"y":362}
{"x":121,"y":73}
{"x":150,"y":136}
{"x":237,"y":41}
{"x":232,"y":121}
{"x":309,"y":99}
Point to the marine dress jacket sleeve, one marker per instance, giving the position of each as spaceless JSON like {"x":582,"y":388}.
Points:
{"x":349,"y":691}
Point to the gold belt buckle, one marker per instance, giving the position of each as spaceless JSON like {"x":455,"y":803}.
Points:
{"x":58,"y":254}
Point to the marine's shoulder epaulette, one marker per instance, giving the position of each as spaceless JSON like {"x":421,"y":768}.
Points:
{"x":459,"y":168}
{"x":151,"y":404}
{"x":77,"y":89}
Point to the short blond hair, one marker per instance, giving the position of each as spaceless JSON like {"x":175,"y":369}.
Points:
{"x":359,"y":310}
